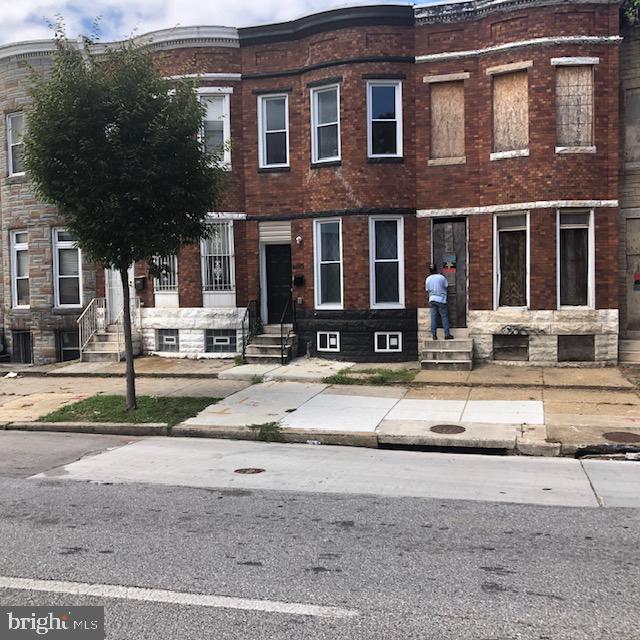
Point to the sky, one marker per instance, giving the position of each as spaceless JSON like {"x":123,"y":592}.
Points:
{"x":30,"y":19}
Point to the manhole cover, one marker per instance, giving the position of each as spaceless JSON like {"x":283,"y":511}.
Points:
{"x":622,"y":436}
{"x":447,"y":429}
{"x":248,"y":471}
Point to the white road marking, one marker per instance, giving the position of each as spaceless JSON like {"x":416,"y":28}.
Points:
{"x":173,"y":597}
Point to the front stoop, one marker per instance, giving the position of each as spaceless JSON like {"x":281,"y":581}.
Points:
{"x":448,"y":355}
{"x":108,"y":346}
{"x":629,"y":352}
{"x":265,"y":347}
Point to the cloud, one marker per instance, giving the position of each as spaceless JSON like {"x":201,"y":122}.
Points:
{"x":29,"y":19}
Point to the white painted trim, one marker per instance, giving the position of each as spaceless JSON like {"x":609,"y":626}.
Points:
{"x":316,"y":266}
{"x":213,"y":90}
{"x":9,"y":126}
{"x":65,"y":244}
{"x":505,"y":155}
{"x":573,"y":61}
{"x":226,"y":215}
{"x":225,"y":92}
{"x":231,"y":77}
{"x":569,"y":150}
{"x":591,"y":267}
{"x":313,"y":95}
{"x":264,"y":307}
{"x":443,"y":162}
{"x":534,"y":42}
{"x":517,"y":206}
{"x":262,"y":132}
{"x":509,"y":68}
{"x":447,"y":77}
{"x":387,"y":333}
{"x":372,"y":273}
{"x":399,"y":128}
{"x":496,"y":261}
{"x":328,"y":333}
{"x":14,"y":248}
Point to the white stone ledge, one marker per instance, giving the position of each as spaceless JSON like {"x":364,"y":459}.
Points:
{"x":509,"y":68}
{"x":503,"y":155}
{"x":517,"y":206}
{"x":446,"y":77}
{"x":443,"y":162}
{"x":566,"y":150}
{"x":573,"y":61}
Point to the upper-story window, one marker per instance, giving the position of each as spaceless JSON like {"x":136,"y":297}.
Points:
{"x":273,"y":130}
{"x":15,"y":143}
{"x":216,"y":126}
{"x":510,"y":110}
{"x":574,"y":108}
{"x":384,"y":115}
{"x":218,"y":260}
{"x":19,"y":268}
{"x":447,"y":121}
{"x":325,"y":124}
{"x":67,"y":268}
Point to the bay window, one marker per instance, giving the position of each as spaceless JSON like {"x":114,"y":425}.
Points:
{"x":384,"y":115}
{"x":273,"y":131}
{"x":15,"y":143}
{"x":328,"y":263}
{"x":325,"y":124}
{"x":216,"y":126}
{"x":386,"y":262}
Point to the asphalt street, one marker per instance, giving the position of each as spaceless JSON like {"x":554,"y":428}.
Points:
{"x":350,"y":566}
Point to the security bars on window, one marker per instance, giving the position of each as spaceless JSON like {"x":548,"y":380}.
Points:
{"x":218,"y":258}
{"x":167,"y":279}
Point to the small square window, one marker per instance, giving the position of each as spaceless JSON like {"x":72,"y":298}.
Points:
{"x":387,"y":342}
{"x":220,"y":341}
{"x":22,"y":347}
{"x":328,"y":341}
{"x":68,"y":345}
{"x":168,"y":340}
{"x":576,"y":348}
{"x":511,"y":347}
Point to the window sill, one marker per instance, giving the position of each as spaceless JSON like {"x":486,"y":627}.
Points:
{"x":443,"y":162}
{"x":503,"y":155}
{"x":329,"y":307}
{"x":328,"y":350}
{"x":632,"y":166}
{"x":375,"y":307}
{"x":566,"y":150}
{"x":325,"y":163}
{"x":20,"y":309}
{"x":386,"y":160}
{"x":503,"y":308}
{"x":61,"y":311}
{"x":286,"y":169}
{"x":578,"y":307}
{"x":17,"y":178}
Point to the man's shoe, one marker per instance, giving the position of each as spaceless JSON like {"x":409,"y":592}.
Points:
{"x":449,"y":337}
{"x":434,"y":337}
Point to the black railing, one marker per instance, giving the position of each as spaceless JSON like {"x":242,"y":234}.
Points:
{"x":251,"y":325}
{"x":284,"y":337}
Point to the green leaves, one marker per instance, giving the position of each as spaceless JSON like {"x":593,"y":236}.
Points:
{"x":116,"y":148}
{"x":631,"y":10}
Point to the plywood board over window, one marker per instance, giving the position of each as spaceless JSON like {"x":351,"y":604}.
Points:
{"x":574,"y":106}
{"x":510,"y":111}
{"x":447,"y":120}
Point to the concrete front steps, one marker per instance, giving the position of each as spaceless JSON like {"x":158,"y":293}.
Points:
{"x":449,"y":355}
{"x":265,"y":347}
{"x":105,"y":346}
{"x":629,"y":351}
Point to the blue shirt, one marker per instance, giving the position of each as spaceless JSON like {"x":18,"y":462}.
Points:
{"x":436,"y":286}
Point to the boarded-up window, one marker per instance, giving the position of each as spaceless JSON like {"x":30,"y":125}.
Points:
{"x":574,"y":258}
{"x":511,"y":111}
{"x":512,"y":260}
{"x":574,"y":106}
{"x":447,"y":120}
{"x":632,"y":125}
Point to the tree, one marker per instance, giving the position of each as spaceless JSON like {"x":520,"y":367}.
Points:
{"x":117,"y":149}
{"x":631,"y":10}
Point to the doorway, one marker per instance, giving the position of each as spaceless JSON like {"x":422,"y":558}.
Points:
{"x":277,"y":259}
{"x":449,"y":252}
{"x":115,"y":297}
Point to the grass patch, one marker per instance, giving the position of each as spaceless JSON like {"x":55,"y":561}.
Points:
{"x":267,"y":432}
{"x":105,"y":408}
{"x":372,"y":376}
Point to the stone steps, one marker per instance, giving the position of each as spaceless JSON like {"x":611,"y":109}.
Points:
{"x":448,"y":355}
{"x":265,"y":348}
{"x":629,"y":351}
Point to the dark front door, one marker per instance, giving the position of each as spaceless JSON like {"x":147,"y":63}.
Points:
{"x":278,"y":264}
{"x":450,"y":256}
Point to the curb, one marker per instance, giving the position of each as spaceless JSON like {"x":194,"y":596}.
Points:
{"x":105,"y":428}
{"x":577,"y":387}
{"x":98,"y":374}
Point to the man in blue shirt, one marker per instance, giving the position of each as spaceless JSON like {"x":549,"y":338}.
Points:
{"x":436,"y":287}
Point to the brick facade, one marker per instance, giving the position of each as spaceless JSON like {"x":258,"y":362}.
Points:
{"x":348,"y":47}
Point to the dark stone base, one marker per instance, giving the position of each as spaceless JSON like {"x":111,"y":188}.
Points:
{"x":357,"y":329}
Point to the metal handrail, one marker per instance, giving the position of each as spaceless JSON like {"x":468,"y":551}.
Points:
{"x":251,"y":327}
{"x":134,"y":311}
{"x":93,"y":318}
{"x":284,"y":339}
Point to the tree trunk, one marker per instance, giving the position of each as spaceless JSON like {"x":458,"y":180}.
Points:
{"x":128,"y":342}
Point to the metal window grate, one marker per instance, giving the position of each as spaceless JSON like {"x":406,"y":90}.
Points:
{"x":167,"y":280}
{"x":168,"y":340}
{"x":218,"y":258}
{"x":574,"y":104}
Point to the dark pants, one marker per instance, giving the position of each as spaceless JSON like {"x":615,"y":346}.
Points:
{"x":439,"y":308}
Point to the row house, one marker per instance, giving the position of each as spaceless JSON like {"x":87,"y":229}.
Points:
{"x":361,"y":144}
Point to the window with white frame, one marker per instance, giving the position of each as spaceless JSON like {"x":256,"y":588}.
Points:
{"x":387,"y":341}
{"x":218,"y":260}
{"x":328,"y":341}
{"x":216,"y":125}
{"x":20,"y":268}
{"x":15,"y":143}
{"x":512,"y":260}
{"x":328,"y":263}
{"x":575,"y":258}
{"x":325,"y":124}
{"x":386,"y":262}
{"x":220,"y":341}
{"x":384,"y":114}
{"x":273,"y":124}
{"x":168,"y":340}
{"x":67,"y":267}
{"x":166,"y":274}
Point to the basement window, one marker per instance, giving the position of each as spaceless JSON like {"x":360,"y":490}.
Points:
{"x":22,"y":351}
{"x":576,"y":348}
{"x":387,"y":341}
{"x":220,"y":341}
{"x":68,"y":345}
{"x":328,"y":341}
{"x":513,"y":347}
{"x":168,"y":340}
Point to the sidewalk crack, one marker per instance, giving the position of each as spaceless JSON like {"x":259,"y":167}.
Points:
{"x":599,"y":500}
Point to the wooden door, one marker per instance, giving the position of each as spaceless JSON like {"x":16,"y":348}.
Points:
{"x":278,"y":264}
{"x":450,"y":256}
